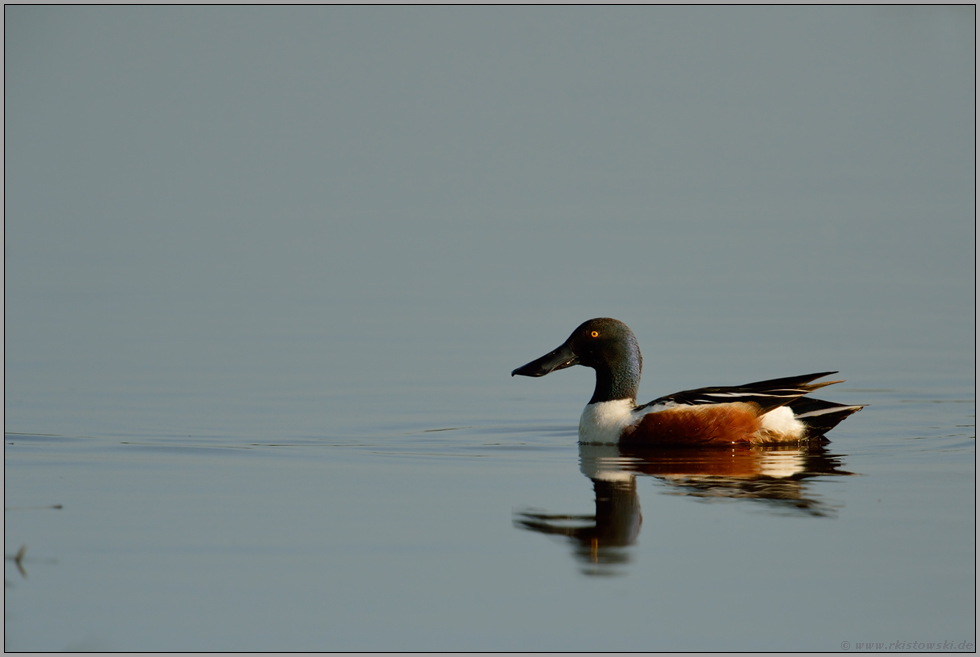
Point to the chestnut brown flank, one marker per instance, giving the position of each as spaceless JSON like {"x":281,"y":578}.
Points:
{"x":695,"y":425}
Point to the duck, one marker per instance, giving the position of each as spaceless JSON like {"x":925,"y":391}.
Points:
{"x":765,"y":412}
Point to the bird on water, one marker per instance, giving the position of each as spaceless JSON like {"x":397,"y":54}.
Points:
{"x":765,"y":412}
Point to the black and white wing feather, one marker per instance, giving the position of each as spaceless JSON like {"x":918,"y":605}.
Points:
{"x":767,"y":395}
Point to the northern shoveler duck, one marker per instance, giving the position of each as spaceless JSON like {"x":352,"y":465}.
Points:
{"x":775,"y":411}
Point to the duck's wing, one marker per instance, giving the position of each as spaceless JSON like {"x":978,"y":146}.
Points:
{"x":767,"y":395}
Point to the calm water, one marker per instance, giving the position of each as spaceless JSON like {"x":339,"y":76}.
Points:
{"x":267,"y":272}
{"x":487,"y":531}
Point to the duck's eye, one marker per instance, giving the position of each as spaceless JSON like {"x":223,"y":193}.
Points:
{"x":595,"y":334}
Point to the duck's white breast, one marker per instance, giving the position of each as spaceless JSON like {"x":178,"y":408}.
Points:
{"x":603,"y":422}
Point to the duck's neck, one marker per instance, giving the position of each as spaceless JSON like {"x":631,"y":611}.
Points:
{"x":618,"y":380}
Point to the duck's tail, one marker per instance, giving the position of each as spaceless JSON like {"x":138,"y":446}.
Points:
{"x":820,"y":416}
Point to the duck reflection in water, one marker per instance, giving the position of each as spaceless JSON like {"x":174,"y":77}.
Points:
{"x":773,"y":475}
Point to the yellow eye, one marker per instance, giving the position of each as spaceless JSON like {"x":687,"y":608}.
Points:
{"x":595,"y":334}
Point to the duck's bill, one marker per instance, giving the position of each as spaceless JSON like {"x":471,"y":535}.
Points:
{"x":558,"y":359}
